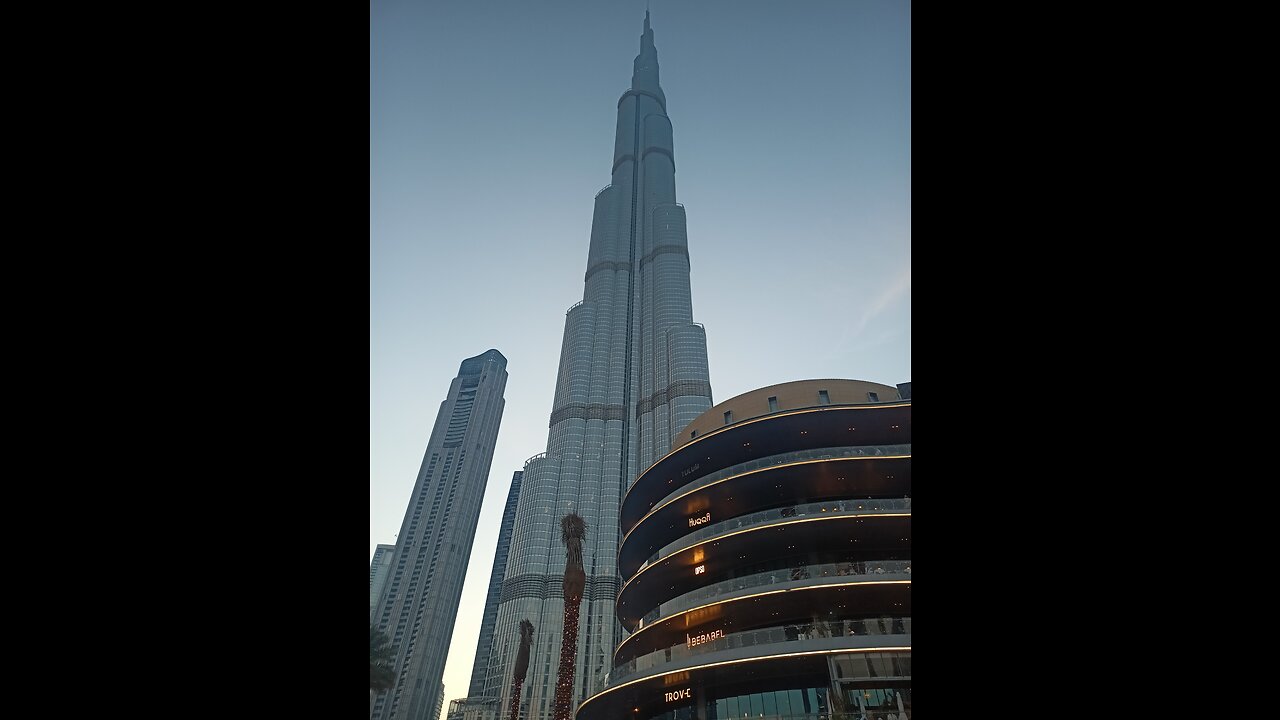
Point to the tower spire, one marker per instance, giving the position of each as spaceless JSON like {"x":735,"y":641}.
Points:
{"x":645,"y":75}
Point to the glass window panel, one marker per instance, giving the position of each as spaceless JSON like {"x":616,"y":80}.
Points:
{"x":881,"y":699}
{"x":770,"y":704}
{"x":851,"y":697}
{"x":882,"y":665}
{"x":757,"y":705}
{"x":810,"y":700}
{"x":783,"y":701}
{"x":797,"y":701}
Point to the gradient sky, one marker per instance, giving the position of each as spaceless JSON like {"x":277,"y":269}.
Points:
{"x":491,"y":129}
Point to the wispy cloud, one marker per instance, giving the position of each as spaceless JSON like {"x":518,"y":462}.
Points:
{"x":898,"y":287}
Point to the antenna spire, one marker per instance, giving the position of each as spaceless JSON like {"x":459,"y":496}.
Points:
{"x":645,"y":70}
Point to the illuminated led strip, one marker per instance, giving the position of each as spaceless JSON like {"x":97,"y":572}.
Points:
{"x":602,"y":693}
{"x":700,"y":488}
{"x":717,"y":538}
{"x":754,"y":595}
{"x":744,"y":423}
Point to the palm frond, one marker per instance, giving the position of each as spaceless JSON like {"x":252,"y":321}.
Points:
{"x":572,"y":527}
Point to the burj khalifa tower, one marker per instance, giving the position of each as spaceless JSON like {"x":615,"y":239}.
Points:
{"x":633,"y":373}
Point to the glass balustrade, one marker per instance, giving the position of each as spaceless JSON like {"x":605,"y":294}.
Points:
{"x":693,"y":647}
{"x":811,"y":575}
{"x":827,"y":453}
{"x":851,"y":506}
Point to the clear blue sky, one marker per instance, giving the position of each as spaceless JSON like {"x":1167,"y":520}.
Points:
{"x":491,"y":129}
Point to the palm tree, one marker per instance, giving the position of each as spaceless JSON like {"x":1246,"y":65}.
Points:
{"x":382,"y":674}
{"x":573,"y":529}
{"x":522,"y":666}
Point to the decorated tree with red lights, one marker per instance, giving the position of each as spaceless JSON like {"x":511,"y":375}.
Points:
{"x":522,"y":667}
{"x":573,"y":529}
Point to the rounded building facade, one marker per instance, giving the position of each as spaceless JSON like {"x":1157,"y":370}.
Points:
{"x":767,"y":563}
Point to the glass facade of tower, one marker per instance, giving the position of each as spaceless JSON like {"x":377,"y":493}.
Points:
{"x":419,"y":604}
{"x":379,"y":569}
{"x":481,"y":668}
{"x":633,"y":372}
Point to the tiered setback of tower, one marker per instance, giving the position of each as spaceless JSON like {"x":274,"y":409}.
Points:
{"x":633,"y":372}
{"x":768,"y":563}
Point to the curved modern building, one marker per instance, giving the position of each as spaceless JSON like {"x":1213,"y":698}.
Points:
{"x":767,"y":563}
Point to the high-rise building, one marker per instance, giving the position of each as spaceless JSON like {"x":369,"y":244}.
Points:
{"x":768,"y":563}
{"x":482,"y":667}
{"x":419,"y":604}
{"x":633,"y":372}
{"x":379,"y":569}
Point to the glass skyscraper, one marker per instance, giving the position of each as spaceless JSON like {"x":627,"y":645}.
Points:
{"x":419,"y":603}
{"x":633,"y":372}
{"x":379,"y":569}
{"x":482,"y":667}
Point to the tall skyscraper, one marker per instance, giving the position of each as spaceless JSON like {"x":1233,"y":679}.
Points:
{"x":379,"y":569}
{"x":633,"y":372}
{"x":418,"y":607}
{"x":481,"y":668}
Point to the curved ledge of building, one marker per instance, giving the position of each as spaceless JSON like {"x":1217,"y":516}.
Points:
{"x":606,"y":265}
{"x":709,"y":562}
{"x":900,"y":453}
{"x":661,"y":101}
{"x":587,"y":411}
{"x":663,"y":249}
{"x":695,"y":511}
{"x":781,"y":432}
{"x":773,"y":516}
{"x":661,"y":151}
{"x":792,"y":395}
{"x":766,"y":641}
{"x":757,"y":606}
{"x":621,"y":159}
{"x":618,"y":699}
{"x":678,"y":388}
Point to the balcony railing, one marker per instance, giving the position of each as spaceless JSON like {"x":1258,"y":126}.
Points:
{"x":764,"y":463}
{"x":805,"y":575}
{"x":818,"y":715}
{"x":830,"y":507}
{"x":895,"y":631}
